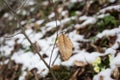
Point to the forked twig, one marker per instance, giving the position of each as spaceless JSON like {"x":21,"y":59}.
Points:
{"x":51,"y":54}
{"x":55,"y":37}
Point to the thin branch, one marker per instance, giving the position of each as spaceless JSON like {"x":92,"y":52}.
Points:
{"x":55,"y":59}
{"x":55,"y":38}
{"x":23,"y":4}
{"x":9,"y":7}
{"x":23,"y":32}
{"x":10,"y":36}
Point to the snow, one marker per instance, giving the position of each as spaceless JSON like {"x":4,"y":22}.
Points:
{"x":82,"y":56}
{"x":51,"y":15}
{"x":110,"y":51}
{"x":31,"y":2}
{"x":23,"y":75}
{"x":116,"y":7}
{"x":102,"y":16}
{"x":75,"y":37}
{"x":52,"y":24}
{"x":112,"y":1}
{"x":74,"y":1}
{"x":20,"y":37}
{"x":116,"y":61}
{"x":64,"y":13}
{"x":105,"y":74}
{"x":66,"y":20}
{"x":87,"y":21}
{"x":24,"y":12}
{"x":39,"y":22}
{"x":23,"y":22}
{"x":31,"y":60}
{"x":6,"y":50}
{"x":21,"y":58}
{"x":109,"y":32}
{"x":6,"y":15}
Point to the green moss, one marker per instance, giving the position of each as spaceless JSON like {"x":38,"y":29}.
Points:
{"x":107,"y":22}
{"x":104,"y":42}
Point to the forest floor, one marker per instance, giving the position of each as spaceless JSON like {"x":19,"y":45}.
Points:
{"x":92,"y":26}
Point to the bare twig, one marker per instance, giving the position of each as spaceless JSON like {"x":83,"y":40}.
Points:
{"x":23,"y":4}
{"x":56,"y":35}
{"x":55,"y":59}
{"x":10,"y":36}
{"x":23,"y":32}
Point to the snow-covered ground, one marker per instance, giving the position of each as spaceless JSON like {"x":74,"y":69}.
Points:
{"x":31,"y":60}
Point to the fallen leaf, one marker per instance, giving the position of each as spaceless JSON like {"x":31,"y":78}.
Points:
{"x":65,"y":46}
{"x":79,"y":63}
{"x":101,"y":77}
{"x":36,"y":26}
{"x":116,"y":74}
{"x":37,"y":47}
{"x":55,"y":67}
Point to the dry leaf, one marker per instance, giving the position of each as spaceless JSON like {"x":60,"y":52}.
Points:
{"x":101,"y":77}
{"x":36,"y":45}
{"x":55,"y":67}
{"x":65,"y":46}
{"x":116,"y":73}
{"x":36,"y":26}
{"x":79,"y":63}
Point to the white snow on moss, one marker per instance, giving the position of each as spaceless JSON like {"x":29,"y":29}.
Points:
{"x":86,"y":21}
{"x":111,"y":32}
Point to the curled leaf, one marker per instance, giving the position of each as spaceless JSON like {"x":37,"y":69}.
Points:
{"x":79,"y":63}
{"x":65,"y":46}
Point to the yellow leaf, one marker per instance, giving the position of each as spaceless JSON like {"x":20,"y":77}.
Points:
{"x":65,"y":46}
{"x":36,"y":26}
